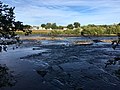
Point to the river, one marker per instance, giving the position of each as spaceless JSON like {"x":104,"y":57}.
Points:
{"x":54,"y":66}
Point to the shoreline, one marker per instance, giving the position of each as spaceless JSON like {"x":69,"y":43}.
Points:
{"x":41,"y":38}
{"x":47,"y":33}
{"x":62,"y":38}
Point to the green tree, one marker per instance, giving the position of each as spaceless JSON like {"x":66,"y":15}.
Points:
{"x":118,"y":23}
{"x":54,"y":26}
{"x":60,"y":27}
{"x":26,"y":29}
{"x":76,"y":24}
{"x":70,"y":26}
{"x":48,"y":26}
{"x":43,"y":25}
{"x":8,"y":25}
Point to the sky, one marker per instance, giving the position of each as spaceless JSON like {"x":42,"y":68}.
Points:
{"x":64,"y":12}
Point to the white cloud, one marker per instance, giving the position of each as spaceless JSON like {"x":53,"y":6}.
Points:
{"x":36,"y":12}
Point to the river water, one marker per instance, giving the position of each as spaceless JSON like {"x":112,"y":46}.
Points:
{"x":54,"y":66}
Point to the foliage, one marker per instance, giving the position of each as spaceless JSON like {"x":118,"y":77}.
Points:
{"x":43,"y":25}
{"x":68,"y":31}
{"x":26,"y":29}
{"x":70,"y":26}
{"x":54,"y":26}
{"x":51,"y":25}
{"x":60,"y":27}
{"x":101,"y":29}
{"x":76,"y":24}
{"x":8,"y":25}
{"x":48,"y":26}
{"x":56,"y":32}
{"x":76,"y":31}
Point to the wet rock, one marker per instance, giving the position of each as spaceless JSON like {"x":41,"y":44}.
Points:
{"x":112,"y":61}
{"x":36,"y":48}
{"x":42,"y":73}
{"x":31,"y":56}
{"x":75,"y":66}
{"x":78,"y":67}
{"x":42,"y":65}
{"x":117,"y":73}
{"x":96,"y":40}
{"x":78,"y":88}
{"x":57,"y":83}
{"x":73,"y":58}
{"x":56,"y":68}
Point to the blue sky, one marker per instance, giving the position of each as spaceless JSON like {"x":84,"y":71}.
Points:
{"x":63,"y":12}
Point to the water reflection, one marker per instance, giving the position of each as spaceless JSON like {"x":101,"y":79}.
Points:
{"x":6,"y":77}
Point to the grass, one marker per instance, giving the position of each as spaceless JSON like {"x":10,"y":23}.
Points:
{"x":35,"y":32}
{"x":41,"y":31}
{"x":62,"y":33}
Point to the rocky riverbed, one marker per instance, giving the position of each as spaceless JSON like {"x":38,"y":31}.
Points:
{"x":57,"y":65}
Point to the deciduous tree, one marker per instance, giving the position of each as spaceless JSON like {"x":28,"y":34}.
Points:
{"x":76,"y":24}
{"x":70,"y":26}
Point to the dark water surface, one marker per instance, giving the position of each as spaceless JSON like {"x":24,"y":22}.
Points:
{"x":54,"y":66}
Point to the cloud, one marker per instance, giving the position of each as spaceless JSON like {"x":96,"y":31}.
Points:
{"x":63,"y":12}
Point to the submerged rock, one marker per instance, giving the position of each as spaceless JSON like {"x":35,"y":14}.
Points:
{"x":31,"y":56}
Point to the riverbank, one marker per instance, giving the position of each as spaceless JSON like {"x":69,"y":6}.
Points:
{"x":48,"y":33}
{"x":85,"y":39}
{"x":41,"y":38}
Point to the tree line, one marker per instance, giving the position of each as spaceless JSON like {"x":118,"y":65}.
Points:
{"x":91,"y":29}
{"x":55,"y":26}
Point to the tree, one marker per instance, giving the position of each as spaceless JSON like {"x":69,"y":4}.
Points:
{"x":26,"y":29}
{"x":76,"y":24}
{"x":54,"y":26}
{"x":48,"y":26}
{"x":118,"y":23}
{"x":70,"y":26}
{"x":60,"y":27}
{"x":43,"y":25}
{"x":8,"y":25}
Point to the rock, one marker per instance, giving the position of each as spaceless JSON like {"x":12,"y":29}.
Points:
{"x":96,"y":41}
{"x":42,"y":73}
{"x":36,"y":48}
{"x":56,"y":68}
{"x":31,"y":56}
{"x":73,"y":58}
{"x":6,"y":77}
{"x":57,"y":83}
